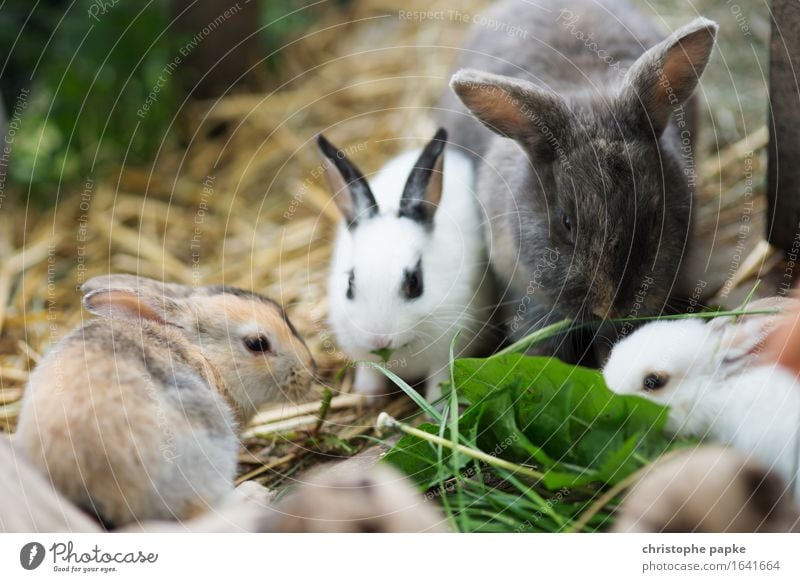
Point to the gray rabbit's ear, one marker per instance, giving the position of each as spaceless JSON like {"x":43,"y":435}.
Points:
{"x":423,"y":190}
{"x":138,"y":284}
{"x":347,"y":184}
{"x":128,"y":304}
{"x":665,"y":76}
{"x":517,"y":109}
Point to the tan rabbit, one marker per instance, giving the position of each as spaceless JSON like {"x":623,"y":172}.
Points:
{"x":340,"y":498}
{"x":376,"y":499}
{"x":711,"y":490}
{"x":133,"y":415}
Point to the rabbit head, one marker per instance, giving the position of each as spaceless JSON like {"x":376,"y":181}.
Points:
{"x":668,"y":362}
{"x":254,"y":351}
{"x":384,"y":282}
{"x":603,"y":187}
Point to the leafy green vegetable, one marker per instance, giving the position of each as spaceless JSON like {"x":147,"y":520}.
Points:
{"x":90,"y":79}
{"x":419,"y":459}
{"x":562,"y":417}
{"x":545,"y":418}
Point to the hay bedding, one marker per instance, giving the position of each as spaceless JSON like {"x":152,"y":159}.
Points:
{"x":242,"y":203}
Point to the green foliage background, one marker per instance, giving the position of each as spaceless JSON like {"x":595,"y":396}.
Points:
{"x":88,"y":76}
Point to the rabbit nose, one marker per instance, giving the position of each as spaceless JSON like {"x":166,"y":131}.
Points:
{"x":602,"y":311}
{"x":380,"y":342}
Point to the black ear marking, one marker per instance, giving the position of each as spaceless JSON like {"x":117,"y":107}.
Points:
{"x":347,"y":184}
{"x":423,"y":189}
{"x":351,"y":280}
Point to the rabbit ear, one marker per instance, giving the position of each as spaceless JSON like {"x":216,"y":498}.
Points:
{"x":665,"y":76}
{"x":423,"y":189}
{"x":128,"y":304}
{"x":138,"y":284}
{"x":347,"y":184}
{"x":517,"y":109}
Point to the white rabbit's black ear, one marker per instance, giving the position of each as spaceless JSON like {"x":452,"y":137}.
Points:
{"x":128,"y":304}
{"x":347,"y":184}
{"x":423,"y":189}
{"x":665,"y":76}
{"x":517,"y":109}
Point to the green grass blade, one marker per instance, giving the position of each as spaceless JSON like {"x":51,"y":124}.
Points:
{"x":455,"y":435}
{"x":404,"y":386}
{"x":537,"y":336}
{"x":566,"y":325}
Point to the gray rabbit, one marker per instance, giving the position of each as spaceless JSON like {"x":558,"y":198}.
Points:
{"x":582,"y":132}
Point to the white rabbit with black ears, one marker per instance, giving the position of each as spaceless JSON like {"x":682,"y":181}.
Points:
{"x":409,"y":266}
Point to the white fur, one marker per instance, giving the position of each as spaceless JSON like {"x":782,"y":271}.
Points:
{"x":751,"y":406}
{"x":456,"y":293}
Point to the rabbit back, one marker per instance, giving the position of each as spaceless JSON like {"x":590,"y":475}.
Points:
{"x":122,"y":419}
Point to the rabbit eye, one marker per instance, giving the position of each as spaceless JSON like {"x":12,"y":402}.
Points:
{"x":566,"y":224}
{"x":654,"y":381}
{"x":351,"y":279}
{"x":412,"y":284}
{"x":257,"y":343}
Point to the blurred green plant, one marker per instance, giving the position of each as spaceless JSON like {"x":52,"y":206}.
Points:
{"x":282,"y":22}
{"x":288,"y":20}
{"x":103,"y":83}
{"x":90,"y":71}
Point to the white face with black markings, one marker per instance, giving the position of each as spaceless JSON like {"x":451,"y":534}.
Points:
{"x":662,"y":360}
{"x":383,"y":283}
{"x":411,"y":288}
{"x":386,"y":291}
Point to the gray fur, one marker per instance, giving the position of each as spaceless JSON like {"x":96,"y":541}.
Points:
{"x":592,"y":138}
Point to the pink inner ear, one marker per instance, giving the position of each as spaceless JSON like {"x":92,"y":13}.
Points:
{"x":684,"y":64}
{"x":122,"y":304}
{"x":496,"y":107}
{"x":433,"y":193}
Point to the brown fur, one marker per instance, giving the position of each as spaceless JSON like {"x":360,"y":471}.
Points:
{"x":377,"y":500}
{"x":362,"y":498}
{"x":709,"y":490}
{"x":133,"y":415}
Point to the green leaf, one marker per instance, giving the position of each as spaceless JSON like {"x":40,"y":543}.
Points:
{"x":558,"y":430}
{"x":561,"y":417}
{"x":420,"y":460}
